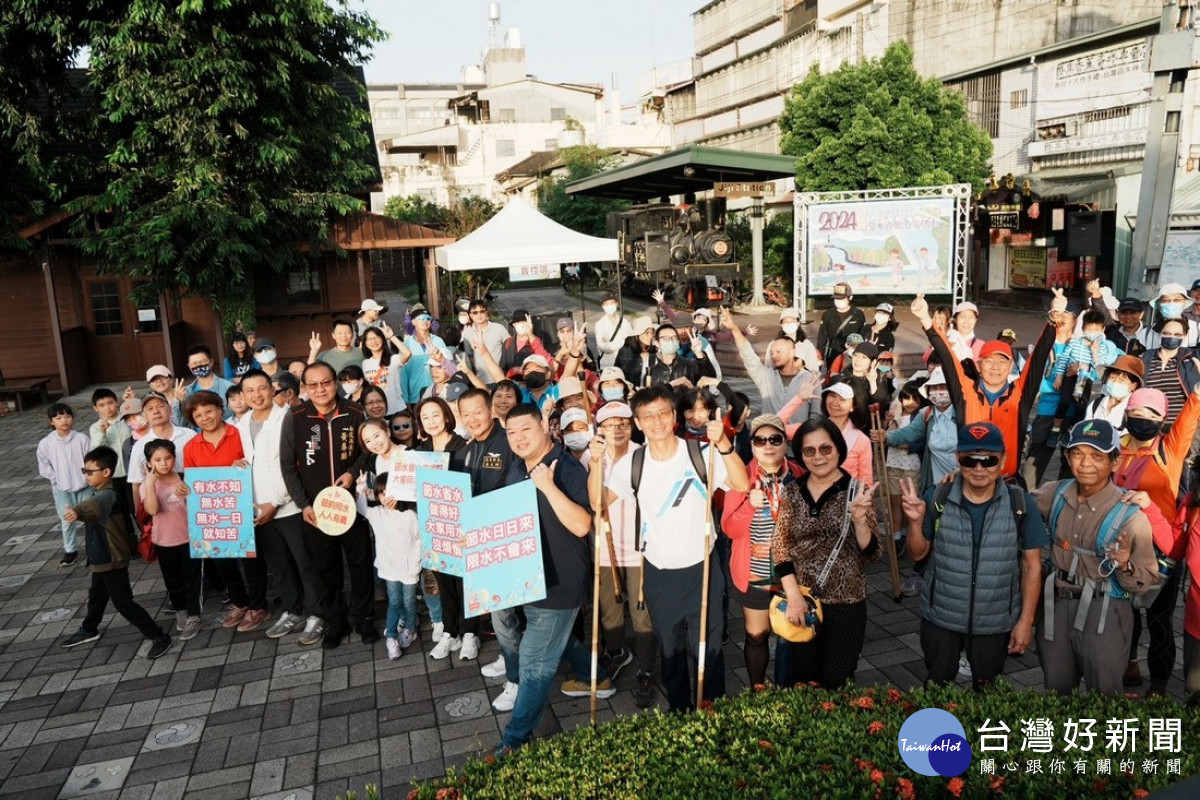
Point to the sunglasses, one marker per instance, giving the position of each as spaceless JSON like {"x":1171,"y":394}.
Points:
{"x":774,"y":440}
{"x":969,"y":460}
{"x":825,"y":450}
{"x":87,"y":471}
{"x":402,"y":426}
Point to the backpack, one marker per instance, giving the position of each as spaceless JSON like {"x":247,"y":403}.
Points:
{"x":1016,"y":499}
{"x":635,"y":480}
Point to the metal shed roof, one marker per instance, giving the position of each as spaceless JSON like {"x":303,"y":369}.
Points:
{"x":691,"y":169}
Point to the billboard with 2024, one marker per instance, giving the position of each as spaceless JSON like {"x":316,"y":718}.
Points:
{"x":882,"y":246}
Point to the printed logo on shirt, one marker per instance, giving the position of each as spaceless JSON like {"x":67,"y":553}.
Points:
{"x":312,"y":446}
{"x":679,"y":491}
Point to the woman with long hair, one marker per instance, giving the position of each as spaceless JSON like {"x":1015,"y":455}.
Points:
{"x":825,"y":536}
{"x":435,"y":427}
{"x":240,"y":360}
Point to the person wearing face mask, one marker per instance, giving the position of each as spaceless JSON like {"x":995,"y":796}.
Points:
{"x":634,"y":356}
{"x":1153,"y":462}
{"x":806,"y":351}
{"x":351,"y":383}
{"x":1086,"y":356}
{"x":1171,"y":367}
{"x":611,"y":331}
{"x":200,"y":364}
{"x":838,"y":323}
{"x":612,"y":385}
{"x":522,"y":344}
{"x":1172,"y":302}
{"x":668,"y":365}
{"x":882,"y":332}
{"x":782,"y":378}
{"x":577,"y":433}
{"x":265,"y":357}
{"x":1120,"y":381}
{"x":539,"y":388}
{"x":992,"y":397}
{"x":1044,"y":433}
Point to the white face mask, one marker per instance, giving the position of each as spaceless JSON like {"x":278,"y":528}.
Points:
{"x":350,"y":387}
{"x":464,"y":319}
{"x":881,"y":319}
{"x":577,"y":440}
{"x":939,"y":397}
{"x":610,"y":308}
{"x":521,"y":328}
{"x":841,"y":305}
{"x":790,"y":328}
{"x":265,"y":356}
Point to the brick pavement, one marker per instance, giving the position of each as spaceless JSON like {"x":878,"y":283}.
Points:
{"x":230,"y":715}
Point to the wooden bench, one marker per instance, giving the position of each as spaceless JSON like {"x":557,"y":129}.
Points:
{"x":19,"y":390}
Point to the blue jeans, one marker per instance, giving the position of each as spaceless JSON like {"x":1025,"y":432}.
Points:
{"x":71,"y":531}
{"x":546,"y":634}
{"x":402,"y":608}
{"x":507,"y":625}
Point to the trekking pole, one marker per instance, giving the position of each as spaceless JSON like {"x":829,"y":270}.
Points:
{"x":597,"y":475}
{"x":881,"y":454}
{"x":602,"y":511}
{"x":708,"y":530}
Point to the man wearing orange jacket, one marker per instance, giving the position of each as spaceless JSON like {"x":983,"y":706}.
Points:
{"x":990,"y":396}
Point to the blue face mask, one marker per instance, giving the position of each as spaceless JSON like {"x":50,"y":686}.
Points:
{"x":1171,"y":310}
{"x":610,"y":393}
{"x":202,"y":372}
{"x":1092,"y":336}
{"x":885,"y":368}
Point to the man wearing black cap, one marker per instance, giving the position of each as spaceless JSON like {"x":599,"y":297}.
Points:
{"x":265,"y":356}
{"x":839,"y":322}
{"x":984,"y":575}
{"x":1126,"y":332}
{"x":1102,"y":554}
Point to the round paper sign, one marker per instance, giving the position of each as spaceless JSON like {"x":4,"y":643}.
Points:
{"x":334,"y":507}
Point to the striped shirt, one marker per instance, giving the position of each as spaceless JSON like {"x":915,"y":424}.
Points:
{"x":1164,"y":376}
{"x":1079,"y":351}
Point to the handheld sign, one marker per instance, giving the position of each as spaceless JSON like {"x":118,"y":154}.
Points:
{"x":503,"y":551}
{"x":441,"y":498}
{"x":220,"y":509}
{"x":335,"y":511}
{"x":402,"y":477}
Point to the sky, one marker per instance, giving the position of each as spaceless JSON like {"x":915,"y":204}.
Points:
{"x":601,"y":41}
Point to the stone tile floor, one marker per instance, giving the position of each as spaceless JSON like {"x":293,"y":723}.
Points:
{"x":230,"y":715}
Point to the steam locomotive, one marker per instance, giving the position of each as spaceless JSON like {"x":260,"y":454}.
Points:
{"x":682,"y":250}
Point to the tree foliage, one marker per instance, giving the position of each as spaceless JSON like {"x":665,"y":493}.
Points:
{"x":777,"y":244}
{"x":879,"y":124}
{"x":579,"y":213}
{"x":226,"y":132}
{"x":464,"y":215}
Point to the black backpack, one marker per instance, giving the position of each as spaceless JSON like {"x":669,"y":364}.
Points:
{"x":635,"y":480}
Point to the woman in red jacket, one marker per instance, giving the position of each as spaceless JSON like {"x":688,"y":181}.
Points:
{"x":1189,"y":514}
{"x":749,"y":521}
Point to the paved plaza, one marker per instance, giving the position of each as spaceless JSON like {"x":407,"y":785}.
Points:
{"x":229,"y":715}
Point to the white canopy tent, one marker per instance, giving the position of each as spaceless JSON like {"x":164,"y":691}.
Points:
{"x":520,"y":236}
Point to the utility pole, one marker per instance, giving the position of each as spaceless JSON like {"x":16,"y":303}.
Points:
{"x":1174,"y":53}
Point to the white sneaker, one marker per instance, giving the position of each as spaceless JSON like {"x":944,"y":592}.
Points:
{"x":496,"y":669}
{"x":438,"y":629}
{"x":470,"y":647}
{"x":393,"y":648}
{"x":445,"y":646}
{"x":507,"y":698}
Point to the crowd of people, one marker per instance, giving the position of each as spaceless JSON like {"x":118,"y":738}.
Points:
{"x":699,"y":491}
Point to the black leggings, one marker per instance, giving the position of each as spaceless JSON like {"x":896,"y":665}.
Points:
{"x":1160,"y":654}
{"x":831,"y":658}
{"x":114,"y":585}
{"x":181,"y":575}
{"x":450,"y":587}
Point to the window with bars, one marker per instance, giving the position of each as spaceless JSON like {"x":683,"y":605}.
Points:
{"x":1018,"y":99}
{"x":982,"y":97}
{"x":106,"y":308}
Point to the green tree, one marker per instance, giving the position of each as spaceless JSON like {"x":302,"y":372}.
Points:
{"x":226,"y":133}
{"x":777,"y":244}
{"x":464,"y":215}
{"x":414,"y":208}
{"x":879,"y":124}
{"x":584,"y":214}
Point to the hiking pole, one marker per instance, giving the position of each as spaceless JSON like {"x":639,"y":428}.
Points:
{"x":880,"y":453}
{"x":598,"y":499}
{"x":708,"y":530}
{"x":602,"y":511}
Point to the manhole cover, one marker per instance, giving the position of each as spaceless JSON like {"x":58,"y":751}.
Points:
{"x":297,"y":663}
{"x":55,"y":615}
{"x":468,"y":706}
{"x":176,"y":734}
{"x":13,"y":581}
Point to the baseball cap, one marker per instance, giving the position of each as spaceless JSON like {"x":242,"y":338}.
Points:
{"x":535,"y":359}
{"x":1195,"y":286}
{"x":842,"y":290}
{"x":868,"y":349}
{"x":1152,"y":399}
{"x":967,"y":306}
{"x":641,"y":325}
{"x":520,"y":315}
{"x":980,"y":436}
{"x":1008,"y":333}
{"x":1132,"y":366}
{"x":130,"y":407}
{"x":609,"y":297}
{"x":843,"y":390}
{"x":1171,"y":288}
{"x":154,"y":396}
{"x":1097,"y":433}
{"x":887,"y":355}
{"x":767,"y":421}
{"x":789,"y":313}
{"x":370,"y":305}
{"x":286,"y":380}
{"x":569,"y":386}
{"x":854,"y":340}
{"x":887,"y":308}
{"x":263,"y":343}
{"x":455,"y":390}
{"x":612,"y":409}
{"x":564,"y":323}
{"x":1130,"y":304}
{"x":572,"y":415}
{"x":996,"y":348}
{"x":612,"y":374}
{"x":160,"y":370}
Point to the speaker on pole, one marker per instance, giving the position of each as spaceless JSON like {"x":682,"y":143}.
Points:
{"x":1083,"y":234}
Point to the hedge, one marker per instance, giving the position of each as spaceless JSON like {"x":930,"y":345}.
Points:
{"x":813,"y":743}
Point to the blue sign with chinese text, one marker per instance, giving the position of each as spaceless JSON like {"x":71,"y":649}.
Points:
{"x":220,"y":507}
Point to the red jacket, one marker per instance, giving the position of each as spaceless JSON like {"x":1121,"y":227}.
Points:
{"x":735,"y":522}
{"x":1189,"y":519}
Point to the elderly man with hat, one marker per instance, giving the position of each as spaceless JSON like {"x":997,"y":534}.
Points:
{"x":1155,"y":462}
{"x":1121,"y":379}
{"x":991,"y":396}
{"x":985,"y":561}
{"x":1102,"y":554}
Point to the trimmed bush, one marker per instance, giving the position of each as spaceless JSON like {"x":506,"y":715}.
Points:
{"x":812,"y":743}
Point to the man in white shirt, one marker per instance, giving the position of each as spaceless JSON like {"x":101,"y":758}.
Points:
{"x":672,"y":502}
{"x":611,"y":331}
{"x":494,"y":335}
